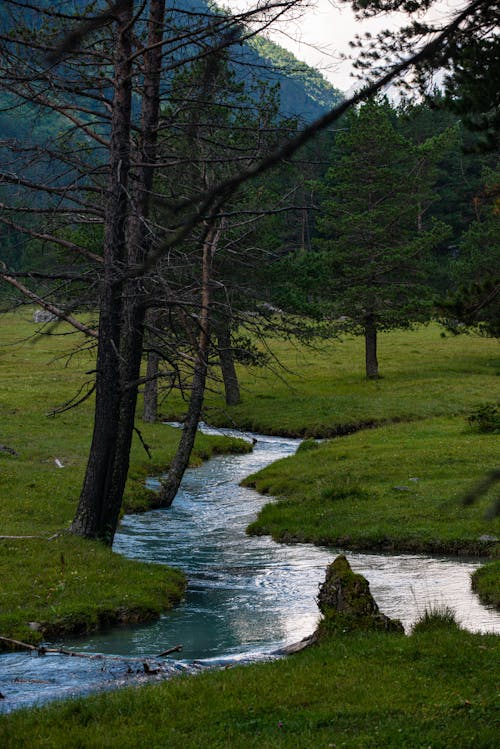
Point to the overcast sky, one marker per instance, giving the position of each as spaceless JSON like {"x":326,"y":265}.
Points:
{"x":321,"y":35}
{"x":323,"y":31}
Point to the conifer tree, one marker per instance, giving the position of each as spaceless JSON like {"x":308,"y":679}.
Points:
{"x":375,"y":246}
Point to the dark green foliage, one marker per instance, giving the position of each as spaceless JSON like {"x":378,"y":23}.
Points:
{"x":458,"y":171}
{"x":375,"y":247}
{"x":475,"y":301}
{"x":486,"y":418}
{"x":472,"y":90}
{"x":373,"y":201}
{"x":469,"y":54}
{"x":369,"y":269}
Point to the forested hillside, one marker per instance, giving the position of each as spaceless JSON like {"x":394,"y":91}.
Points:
{"x":303,"y":92}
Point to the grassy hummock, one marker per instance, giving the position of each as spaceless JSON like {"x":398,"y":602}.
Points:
{"x":486,"y":583}
{"x":396,"y":488}
{"x":65,"y":585}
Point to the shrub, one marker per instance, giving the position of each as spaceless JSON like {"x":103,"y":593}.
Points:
{"x":486,"y":418}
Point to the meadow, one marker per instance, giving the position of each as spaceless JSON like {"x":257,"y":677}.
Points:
{"x":398,"y":455}
{"x":397,"y":484}
{"x":321,"y":390}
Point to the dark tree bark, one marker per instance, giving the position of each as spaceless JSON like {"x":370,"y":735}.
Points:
{"x":150,"y":409}
{"x":371,"y":348}
{"x":127,"y":241}
{"x":94,"y":515}
{"x":171,"y":483}
{"x":226,"y":356}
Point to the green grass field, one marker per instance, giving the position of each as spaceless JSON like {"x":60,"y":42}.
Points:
{"x":395,"y":486}
{"x":398,"y":487}
{"x":322,"y":390}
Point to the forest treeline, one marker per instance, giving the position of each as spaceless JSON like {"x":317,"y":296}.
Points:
{"x":170,"y":209}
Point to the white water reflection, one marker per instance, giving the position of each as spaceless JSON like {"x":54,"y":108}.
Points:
{"x":247,"y":596}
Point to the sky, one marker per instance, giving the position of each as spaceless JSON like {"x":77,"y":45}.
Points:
{"x":322,"y":33}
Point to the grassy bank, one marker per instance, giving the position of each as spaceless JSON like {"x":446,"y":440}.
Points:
{"x":398,"y":487}
{"x":347,"y":492}
{"x":67,"y":585}
{"x":323,"y":391}
{"x":437,"y":688}
{"x":486,"y":582}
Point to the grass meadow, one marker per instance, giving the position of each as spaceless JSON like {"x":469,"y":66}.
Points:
{"x":437,"y":688}
{"x":397,"y":485}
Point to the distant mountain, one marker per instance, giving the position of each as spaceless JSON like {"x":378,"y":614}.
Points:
{"x":304,"y":92}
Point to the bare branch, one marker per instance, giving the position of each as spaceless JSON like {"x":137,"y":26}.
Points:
{"x":72,"y":40}
{"x":59,"y":313}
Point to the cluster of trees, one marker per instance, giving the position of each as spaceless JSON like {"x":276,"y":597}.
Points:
{"x":398,"y":228}
{"x":169,"y":198}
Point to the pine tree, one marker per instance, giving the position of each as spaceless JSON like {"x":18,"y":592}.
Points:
{"x":375,"y":247}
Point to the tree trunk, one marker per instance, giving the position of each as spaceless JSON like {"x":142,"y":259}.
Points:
{"x":371,"y":348}
{"x":171,"y":483}
{"x":226,"y":356}
{"x":139,"y":243}
{"x":91,"y":518}
{"x":122,"y":310}
{"x":150,"y":409}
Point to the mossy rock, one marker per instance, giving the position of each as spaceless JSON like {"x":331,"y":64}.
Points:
{"x":347,"y":605}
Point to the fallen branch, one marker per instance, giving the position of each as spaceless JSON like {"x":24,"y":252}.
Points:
{"x":10,"y":641}
{"x":43,"y":650}
{"x":175,"y":649}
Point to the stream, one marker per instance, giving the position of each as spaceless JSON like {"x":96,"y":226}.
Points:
{"x":247,"y":596}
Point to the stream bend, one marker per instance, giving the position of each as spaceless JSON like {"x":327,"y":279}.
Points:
{"x":247,"y":596}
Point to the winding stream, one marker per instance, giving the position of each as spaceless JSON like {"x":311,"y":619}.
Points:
{"x":247,"y":596}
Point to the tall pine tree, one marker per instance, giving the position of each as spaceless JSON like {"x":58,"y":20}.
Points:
{"x":375,"y":246}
